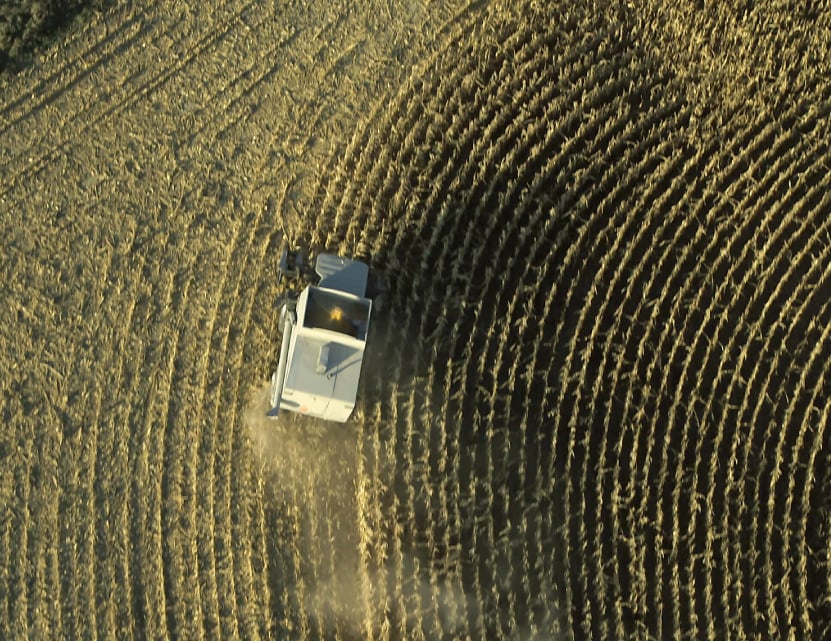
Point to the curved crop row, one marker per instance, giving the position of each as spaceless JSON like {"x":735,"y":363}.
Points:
{"x":591,"y":273}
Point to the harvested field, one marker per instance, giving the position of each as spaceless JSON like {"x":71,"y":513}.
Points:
{"x":598,"y":392}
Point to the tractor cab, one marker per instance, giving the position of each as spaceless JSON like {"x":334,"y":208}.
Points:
{"x":324,"y":329}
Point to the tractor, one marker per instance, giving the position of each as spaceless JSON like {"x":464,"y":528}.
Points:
{"x":324,"y":329}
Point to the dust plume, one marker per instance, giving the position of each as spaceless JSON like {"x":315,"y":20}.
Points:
{"x":311,"y":466}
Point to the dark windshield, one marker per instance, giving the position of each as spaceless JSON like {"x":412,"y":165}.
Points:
{"x":325,"y":310}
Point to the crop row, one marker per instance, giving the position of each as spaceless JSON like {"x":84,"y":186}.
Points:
{"x":578,"y":436}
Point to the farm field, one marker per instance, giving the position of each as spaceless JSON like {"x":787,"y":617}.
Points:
{"x":597,"y":400}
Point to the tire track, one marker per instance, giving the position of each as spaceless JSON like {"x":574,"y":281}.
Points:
{"x":117,"y":40}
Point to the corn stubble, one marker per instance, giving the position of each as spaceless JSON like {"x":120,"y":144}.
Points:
{"x":596,"y":398}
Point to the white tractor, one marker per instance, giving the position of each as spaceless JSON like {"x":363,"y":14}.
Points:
{"x":324,"y":329}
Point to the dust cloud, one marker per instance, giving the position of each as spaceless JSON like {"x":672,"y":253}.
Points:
{"x":311,"y":466}
{"x":303,"y":452}
{"x":312,"y":469}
